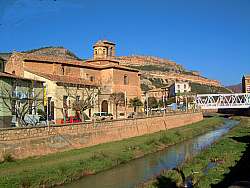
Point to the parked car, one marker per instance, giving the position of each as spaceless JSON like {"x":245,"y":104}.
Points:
{"x":71,"y":119}
{"x":102,"y":116}
{"x":131,"y":115}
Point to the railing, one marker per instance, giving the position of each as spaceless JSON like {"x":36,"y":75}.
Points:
{"x":222,"y":101}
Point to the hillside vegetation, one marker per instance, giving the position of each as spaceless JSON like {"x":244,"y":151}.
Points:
{"x":205,"y":89}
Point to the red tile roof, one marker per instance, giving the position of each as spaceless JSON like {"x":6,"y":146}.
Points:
{"x":85,"y":64}
{"x":5,"y":74}
{"x":65,"y":79}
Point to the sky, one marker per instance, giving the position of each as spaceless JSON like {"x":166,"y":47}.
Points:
{"x":211,"y":36}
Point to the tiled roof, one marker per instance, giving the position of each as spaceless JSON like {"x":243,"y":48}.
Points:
{"x":103,"y":43}
{"x":85,"y":64}
{"x":5,"y":74}
{"x":65,"y":79}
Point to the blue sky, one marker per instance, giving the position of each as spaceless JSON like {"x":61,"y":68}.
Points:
{"x":211,"y":36}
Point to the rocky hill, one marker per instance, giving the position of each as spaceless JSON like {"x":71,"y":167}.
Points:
{"x":156,"y":72}
{"x":54,"y":51}
{"x":150,"y":63}
{"x":235,"y":88}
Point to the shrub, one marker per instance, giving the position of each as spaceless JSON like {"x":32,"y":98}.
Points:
{"x":7,"y":157}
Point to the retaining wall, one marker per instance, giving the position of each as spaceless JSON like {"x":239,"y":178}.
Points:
{"x":33,"y":141}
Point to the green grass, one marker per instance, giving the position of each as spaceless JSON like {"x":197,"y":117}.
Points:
{"x":225,"y":151}
{"x":68,"y":166}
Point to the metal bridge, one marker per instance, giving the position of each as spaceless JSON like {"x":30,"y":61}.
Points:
{"x":222,"y":101}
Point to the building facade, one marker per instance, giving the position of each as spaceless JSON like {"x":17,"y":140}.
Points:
{"x":179,"y":88}
{"x":2,"y":64}
{"x":19,"y":97}
{"x":101,"y":73}
{"x":246,"y":84}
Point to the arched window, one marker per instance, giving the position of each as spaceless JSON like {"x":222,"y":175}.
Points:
{"x":95,"y":51}
{"x":103,"y":51}
{"x":125,"y":79}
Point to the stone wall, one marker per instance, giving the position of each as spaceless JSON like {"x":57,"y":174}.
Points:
{"x":25,"y":142}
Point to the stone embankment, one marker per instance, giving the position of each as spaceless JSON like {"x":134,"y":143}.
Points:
{"x":34,"y":141}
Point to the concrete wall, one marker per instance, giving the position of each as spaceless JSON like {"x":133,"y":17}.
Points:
{"x":25,"y":142}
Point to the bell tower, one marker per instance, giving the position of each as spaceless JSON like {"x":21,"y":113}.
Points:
{"x":104,"y":49}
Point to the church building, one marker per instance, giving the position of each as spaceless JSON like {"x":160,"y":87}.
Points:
{"x":101,"y":72}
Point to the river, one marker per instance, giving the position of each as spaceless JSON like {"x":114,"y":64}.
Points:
{"x":139,"y":170}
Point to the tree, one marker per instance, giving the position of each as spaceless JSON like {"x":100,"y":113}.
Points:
{"x":83,"y":98}
{"x":135,"y":102}
{"x":20,"y":99}
{"x":152,"y":102}
{"x":117,"y":99}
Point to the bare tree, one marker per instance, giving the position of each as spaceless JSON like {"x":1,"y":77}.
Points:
{"x":82,"y":98}
{"x":20,"y":102}
{"x":117,"y":99}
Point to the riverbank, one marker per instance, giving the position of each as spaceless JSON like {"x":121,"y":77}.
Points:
{"x":61,"y":168}
{"x":221,"y":165}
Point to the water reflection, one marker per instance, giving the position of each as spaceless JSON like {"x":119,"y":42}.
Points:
{"x":139,"y":170}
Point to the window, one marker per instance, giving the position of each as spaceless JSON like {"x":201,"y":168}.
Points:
{"x":185,"y":86}
{"x":65,"y":98}
{"x":63,"y":70}
{"x":96,"y":51}
{"x":1,"y":67}
{"x":125,"y":79}
{"x":110,"y":53}
{"x":49,"y":105}
{"x":13,"y":107}
{"x":103,"y":51}
{"x":92,"y":78}
{"x":77,"y":98}
{"x":178,"y":86}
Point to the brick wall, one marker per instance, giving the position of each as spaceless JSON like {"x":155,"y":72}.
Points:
{"x":25,"y":142}
{"x":39,"y":67}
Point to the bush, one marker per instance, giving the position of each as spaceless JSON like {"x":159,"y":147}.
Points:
{"x":7,"y":157}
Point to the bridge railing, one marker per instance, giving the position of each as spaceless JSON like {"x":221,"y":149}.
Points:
{"x":216,"y":101}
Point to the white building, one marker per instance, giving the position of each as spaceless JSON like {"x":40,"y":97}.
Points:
{"x":179,"y":87}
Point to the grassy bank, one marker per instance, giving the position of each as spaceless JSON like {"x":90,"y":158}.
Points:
{"x":216,"y":166}
{"x":68,"y":166}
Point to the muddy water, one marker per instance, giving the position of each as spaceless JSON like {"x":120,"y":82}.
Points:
{"x":139,"y":170}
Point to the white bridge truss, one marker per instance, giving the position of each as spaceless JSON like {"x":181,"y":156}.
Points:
{"x":220,"y":101}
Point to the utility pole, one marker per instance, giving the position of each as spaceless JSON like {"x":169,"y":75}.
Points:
{"x":147,"y":102}
{"x":47,"y":105}
{"x":164,"y":104}
{"x":186,"y":102}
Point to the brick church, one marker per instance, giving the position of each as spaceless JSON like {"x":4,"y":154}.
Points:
{"x":100,"y":72}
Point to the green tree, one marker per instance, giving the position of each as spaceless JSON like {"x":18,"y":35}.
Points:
{"x":135,"y":102}
{"x":152,"y":102}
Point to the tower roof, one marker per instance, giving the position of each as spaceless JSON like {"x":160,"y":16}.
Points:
{"x":103,"y":43}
